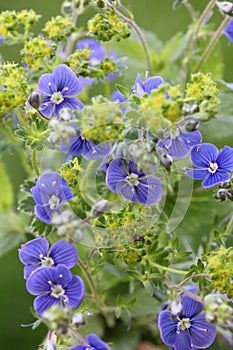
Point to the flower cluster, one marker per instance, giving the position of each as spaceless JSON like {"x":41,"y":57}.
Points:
{"x":48,"y":276}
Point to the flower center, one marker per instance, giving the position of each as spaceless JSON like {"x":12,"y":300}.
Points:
{"x":132,"y":179}
{"x":57,"y":97}
{"x":47,"y":261}
{"x":53,"y":202}
{"x":183,"y":325}
{"x":213,"y":167}
{"x":57,"y":291}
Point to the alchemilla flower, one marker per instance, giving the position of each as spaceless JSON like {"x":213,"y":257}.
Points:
{"x":145,"y":87}
{"x":214,"y":166}
{"x":93,"y":343}
{"x":188,"y":330}
{"x":50,"y":192}
{"x":55,"y":285}
{"x":59,"y":90}
{"x":36,"y":253}
{"x":132,"y":184}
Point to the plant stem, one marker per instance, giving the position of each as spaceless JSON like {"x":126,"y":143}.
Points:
{"x":204,"y":275}
{"x":165,"y":268}
{"x":229,"y":227}
{"x":189,"y":9}
{"x":34,"y":162}
{"x":205,"y":13}
{"x":212,"y":42}
{"x":138,"y":32}
{"x":22,"y":121}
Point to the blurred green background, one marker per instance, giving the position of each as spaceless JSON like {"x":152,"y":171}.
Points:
{"x":153,"y":15}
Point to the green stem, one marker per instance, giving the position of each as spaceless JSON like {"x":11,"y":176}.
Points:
{"x":229,"y":227}
{"x":189,"y":9}
{"x":205,"y":13}
{"x":138,"y":32}
{"x":34,"y":162}
{"x":165,"y":268}
{"x":22,"y":121}
{"x":212,"y":42}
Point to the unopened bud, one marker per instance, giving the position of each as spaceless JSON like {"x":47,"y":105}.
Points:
{"x":166,"y":160}
{"x":192,"y":124}
{"x":101,"y":207}
{"x":50,"y":345}
{"x":225,"y":7}
{"x":222,"y":194}
{"x":35,"y":99}
{"x":67,"y":8}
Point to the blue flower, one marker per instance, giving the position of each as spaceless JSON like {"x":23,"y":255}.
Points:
{"x":59,"y":90}
{"x":179,"y":145}
{"x":97,"y":55}
{"x":187,"y":330}
{"x":134,"y":185}
{"x":78,"y":145}
{"x":55,"y":285}
{"x":118,"y":96}
{"x":93,"y":342}
{"x":152,"y":83}
{"x":35,"y":254}
{"x":50,"y":192}
{"x":228,"y":31}
{"x":214,"y":166}
{"x":2,"y":39}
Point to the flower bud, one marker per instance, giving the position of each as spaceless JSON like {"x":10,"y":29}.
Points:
{"x":35,"y":99}
{"x":225,"y":7}
{"x":101,"y":207}
{"x":166,"y":161}
{"x":222,"y":194}
{"x":67,"y":8}
{"x":192,"y":124}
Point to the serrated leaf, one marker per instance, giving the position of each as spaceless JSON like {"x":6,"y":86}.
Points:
{"x":123,"y":90}
{"x":135,"y":274}
{"x":6,"y":198}
{"x":40,"y":228}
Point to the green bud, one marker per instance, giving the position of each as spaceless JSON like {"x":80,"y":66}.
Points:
{"x":192,"y":124}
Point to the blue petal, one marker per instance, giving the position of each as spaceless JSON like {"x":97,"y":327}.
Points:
{"x":75,"y":291}
{"x":203,"y":154}
{"x":118,"y":96}
{"x":64,"y":77}
{"x":126,"y":190}
{"x":81,"y":347}
{"x":44,"y":213}
{"x":139,"y":86}
{"x":72,"y":103}
{"x":191,"y":138}
{"x":28,"y":269}
{"x":167,"y":327}
{"x":183,"y":341}
{"x":214,"y":179}
{"x":149,"y":190}
{"x":64,"y":253}
{"x":96,"y":342}
{"x":74,"y":148}
{"x":46,"y":84}
{"x":116,"y":172}
{"x":177,"y":148}
{"x":133,"y":169}
{"x":37,"y":283}
{"x":152,"y":83}
{"x":46,"y":109}
{"x":191,"y":307}
{"x":202,"y":333}
{"x":225,"y":159}
{"x":197,"y":174}
{"x":228,"y":31}
{"x":93,"y":151}
{"x":33,"y":251}
{"x":63,"y":276}
{"x":44,"y":302}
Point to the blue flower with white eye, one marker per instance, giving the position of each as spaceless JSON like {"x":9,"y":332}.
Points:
{"x":179,"y":145}
{"x":212,"y":166}
{"x":228,"y":31}
{"x":59,"y":90}
{"x":55,"y":285}
{"x":93,"y":343}
{"x":36,"y":253}
{"x":50,"y":193}
{"x":188,"y":329}
{"x":132,"y":184}
{"x":145,"y":87}
{"x":79,"y":145}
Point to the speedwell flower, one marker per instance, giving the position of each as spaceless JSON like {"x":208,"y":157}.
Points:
{"x":93,"y":343}
{"x":188,"y":330}
{"x":79,"y":145}
{"x":55,"y":285}
{"x":179,"y":145}
{"x":36,"y":253}
{"x":228,"y":31}
{"x":214,"y":166}
{"x":145,"y":87}
{"x":50,"y":192}
{"x":133,"y":184}
{"x":58,"y":91}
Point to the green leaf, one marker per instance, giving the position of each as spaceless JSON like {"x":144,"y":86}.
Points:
{"x":123,"y":90}
{"x":12,"y":230}
{"x":6,"y":198}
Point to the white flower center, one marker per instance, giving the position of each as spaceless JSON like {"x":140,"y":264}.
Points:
{"x":53,"y":202}
{"x":213,"y":167}
{"x":57,"y":291}
{"x":57,"y":97}
{"x":132,"y":179}
{"x":47,"y":261}
{"x":183,"y":325}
